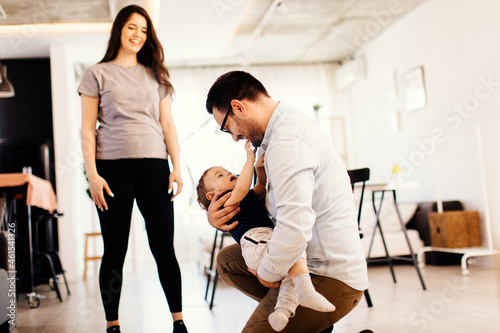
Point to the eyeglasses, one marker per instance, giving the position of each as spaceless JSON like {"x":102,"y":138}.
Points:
{"x":223,"y":125}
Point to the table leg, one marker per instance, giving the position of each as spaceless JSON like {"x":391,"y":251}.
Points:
{"x":377,"y":225}
{"x":421,"y":256}
{"x":412,"y":254}
{"x":33,"y":298}
{"x":465,"y":270}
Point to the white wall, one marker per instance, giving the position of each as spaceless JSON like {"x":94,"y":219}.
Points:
{"x":79,"y":214}
{"x":456,"y":43}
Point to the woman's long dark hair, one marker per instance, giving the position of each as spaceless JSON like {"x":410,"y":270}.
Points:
{"x":151,"y":54}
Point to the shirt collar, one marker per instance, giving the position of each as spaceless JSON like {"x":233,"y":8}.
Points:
{"x":280,"y":109}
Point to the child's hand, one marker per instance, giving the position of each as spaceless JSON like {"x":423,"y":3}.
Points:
{"x":260,"y":161}
{"x":250,"y":152}
{"x":259,"y":169}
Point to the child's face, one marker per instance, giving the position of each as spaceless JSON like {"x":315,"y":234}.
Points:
{"x":219,"y":179}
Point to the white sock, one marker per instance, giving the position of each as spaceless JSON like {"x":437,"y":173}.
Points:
{"x":279,"y":318}
{"x":308,"y":296}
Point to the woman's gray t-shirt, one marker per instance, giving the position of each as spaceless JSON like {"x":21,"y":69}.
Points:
{"x":129,"y":111}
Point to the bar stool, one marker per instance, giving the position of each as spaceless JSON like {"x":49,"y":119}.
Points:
{"x":211,"y":271}
{"x":86,"y":256}
{"x":48,"y":252}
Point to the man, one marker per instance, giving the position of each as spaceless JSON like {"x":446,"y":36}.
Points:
{"x":309,"y":194}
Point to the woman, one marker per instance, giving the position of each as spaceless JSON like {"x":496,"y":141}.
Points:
{"x":128,"y":91}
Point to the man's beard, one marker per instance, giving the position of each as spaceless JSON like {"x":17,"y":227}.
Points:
{"x":252,"y":130}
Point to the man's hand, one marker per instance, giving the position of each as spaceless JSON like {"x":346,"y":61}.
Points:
{"x":219,"y":217}
{"x":273,"y":285}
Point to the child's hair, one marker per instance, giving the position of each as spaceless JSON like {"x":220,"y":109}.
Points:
{"x":202,"y":190}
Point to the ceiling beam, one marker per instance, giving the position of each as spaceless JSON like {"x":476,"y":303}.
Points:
{"x":259,"y":27}
{"x":3,"y":14}
{"x":111,"y":10}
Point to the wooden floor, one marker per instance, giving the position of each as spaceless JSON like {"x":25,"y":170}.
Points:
{"x":452,"y":303}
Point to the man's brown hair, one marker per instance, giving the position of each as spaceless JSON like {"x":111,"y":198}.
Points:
{"x":234,"y":85}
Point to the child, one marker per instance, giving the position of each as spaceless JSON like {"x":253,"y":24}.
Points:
{"x":253,"y":232}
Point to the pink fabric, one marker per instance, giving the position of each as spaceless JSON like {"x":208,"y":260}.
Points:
{"x":40,"y":192}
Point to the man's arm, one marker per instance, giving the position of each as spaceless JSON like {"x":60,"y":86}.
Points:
{"x":290,"y":165}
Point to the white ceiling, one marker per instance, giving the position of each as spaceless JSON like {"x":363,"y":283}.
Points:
{"x":208,"y":32}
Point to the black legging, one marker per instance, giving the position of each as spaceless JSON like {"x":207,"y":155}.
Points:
{"x":145,"y":180}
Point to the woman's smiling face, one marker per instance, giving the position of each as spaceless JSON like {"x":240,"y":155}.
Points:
{"x":134,"y":33}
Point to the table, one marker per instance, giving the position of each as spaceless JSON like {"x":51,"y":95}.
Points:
{"x":391,"y":187}
{"x":39,"y":193}
{"x":468,"y":252}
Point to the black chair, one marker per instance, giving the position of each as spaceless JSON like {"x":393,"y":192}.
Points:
{"x":361,"y":176}
{"x":211,"y":271}
{"x":45,"y":250}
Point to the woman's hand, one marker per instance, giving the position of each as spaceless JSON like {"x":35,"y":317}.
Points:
{"x":175,"y":177}
{"x":273,"y":285}
{"x":219,"y":217}
{"x":97,"y":184}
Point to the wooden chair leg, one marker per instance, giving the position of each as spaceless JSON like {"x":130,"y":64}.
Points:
{"x":85,"y":258}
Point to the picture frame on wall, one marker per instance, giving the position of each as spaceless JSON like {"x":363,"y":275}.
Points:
{"x":414,"y":94}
